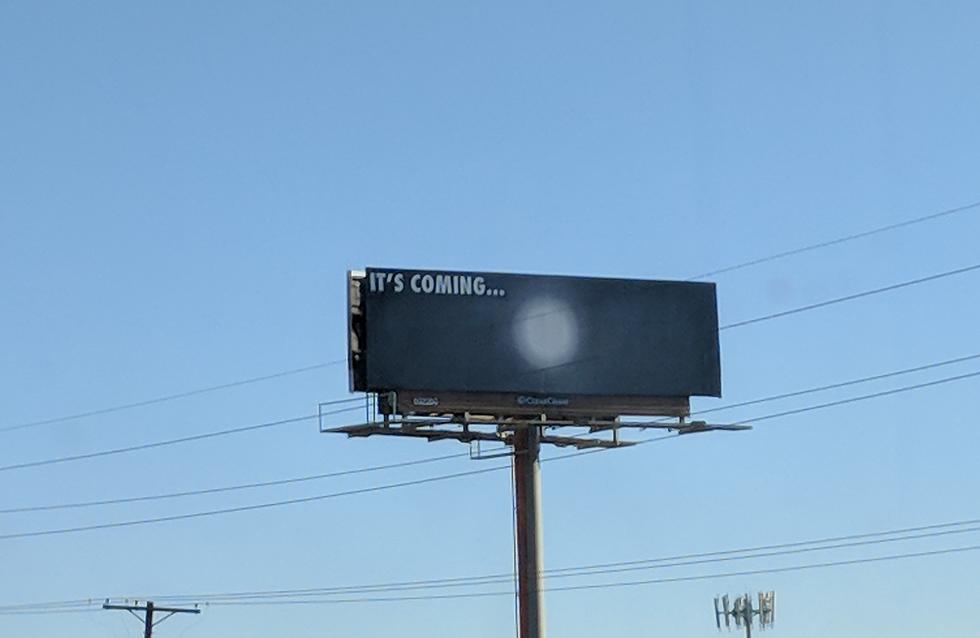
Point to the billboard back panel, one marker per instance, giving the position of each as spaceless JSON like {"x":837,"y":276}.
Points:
{"x":535,"y":334}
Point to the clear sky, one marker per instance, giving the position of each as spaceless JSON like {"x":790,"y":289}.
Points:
{"x":183,"y":186}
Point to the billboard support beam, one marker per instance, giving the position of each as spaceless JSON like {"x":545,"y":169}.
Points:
{"x":530,"y":558}
{"x":525,"y":436}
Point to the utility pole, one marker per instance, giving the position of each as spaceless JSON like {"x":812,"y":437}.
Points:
{"x":530,"y":559}
{"x":148,"y":610}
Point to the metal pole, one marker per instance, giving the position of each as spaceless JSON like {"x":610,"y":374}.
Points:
{"x":748,"y":616}
{"x":148,"y":620}
{"x":530,"y":560}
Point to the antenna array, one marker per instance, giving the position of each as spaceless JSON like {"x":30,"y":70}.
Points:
{"x":743,"y":613}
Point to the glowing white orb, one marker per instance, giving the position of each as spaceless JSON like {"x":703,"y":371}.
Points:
{"x":546,"y":332}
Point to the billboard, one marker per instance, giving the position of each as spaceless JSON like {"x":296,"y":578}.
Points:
{"x":531,"y":341}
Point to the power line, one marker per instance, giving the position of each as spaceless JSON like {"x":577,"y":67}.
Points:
{"x":820,"y":544}
{"x":249,"y":508}
{"x":183,"y":439}
{"x":276,"y":375}
{"x":267,"y":505}
{"x":838,"y":240}
{"x":39,"y":612}
{"x":169,"y":397}
{"x":865,"y":397}
{"x":78,"y":602}
{"x":842,"y":384}
{"x":829,"y":404}
{"x":774,"y":570}
{"x":798,"y":547}
{"x":858,"y":295}
{"x":612,"y":585}
{"x":378,"y":488}
{"x":307,"y":478}
{"x":767,"y":554}
{"x":782,"y":546}
{"x":620,"y":584}
{"x":228,"y":488}
{"x":313,"y":477}
{"x":812,"y":306}
{"x":285,"y":421}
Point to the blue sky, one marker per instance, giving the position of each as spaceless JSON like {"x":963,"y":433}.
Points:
{"x":183,"y":187}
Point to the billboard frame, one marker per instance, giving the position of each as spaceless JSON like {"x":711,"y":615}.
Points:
{"x":409,"y":402}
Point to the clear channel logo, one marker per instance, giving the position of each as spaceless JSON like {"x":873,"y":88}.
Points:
{"x":536,"y":401}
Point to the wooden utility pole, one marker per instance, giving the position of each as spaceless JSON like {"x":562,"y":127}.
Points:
{"x":148,"y":610}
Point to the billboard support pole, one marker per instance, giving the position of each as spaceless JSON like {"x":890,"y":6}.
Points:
{"x":530,"y":559}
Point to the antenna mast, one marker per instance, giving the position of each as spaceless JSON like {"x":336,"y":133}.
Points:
{"x":742,"y":612}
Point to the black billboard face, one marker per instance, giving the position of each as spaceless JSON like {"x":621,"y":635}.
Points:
{"x":546,"y":335}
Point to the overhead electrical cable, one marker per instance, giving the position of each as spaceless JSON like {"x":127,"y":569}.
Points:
{"x":169,"y":397}
{"x":176,"y":441}
{"x":275,"y":375}
{"x":267,"y":505}
{"x":772,"y":570}
{"x":865,"y":397}
{"x":842,"y":384}
{"x":250,"y":508}
{"x":970,"y":523}
{"x":611,"y":585}
{"x":764,"y":554}
{"x":801,"y":547}
{"x":745,"y":553}
{"x":230,"y":488}
{"x":852,"y":297}
{"x":41,"y":612}
{"x":312,"y":477}
{"x":78,"y":602}
{"x":839,"y":240}
{"x":300,"y":479}
{"x":273,"y":595}
{"x":378,"y":488}
{"x":831,"y":404}
{"x":750,"y":321}
{"x":285,"y":421}
{"x":607,"y":585}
